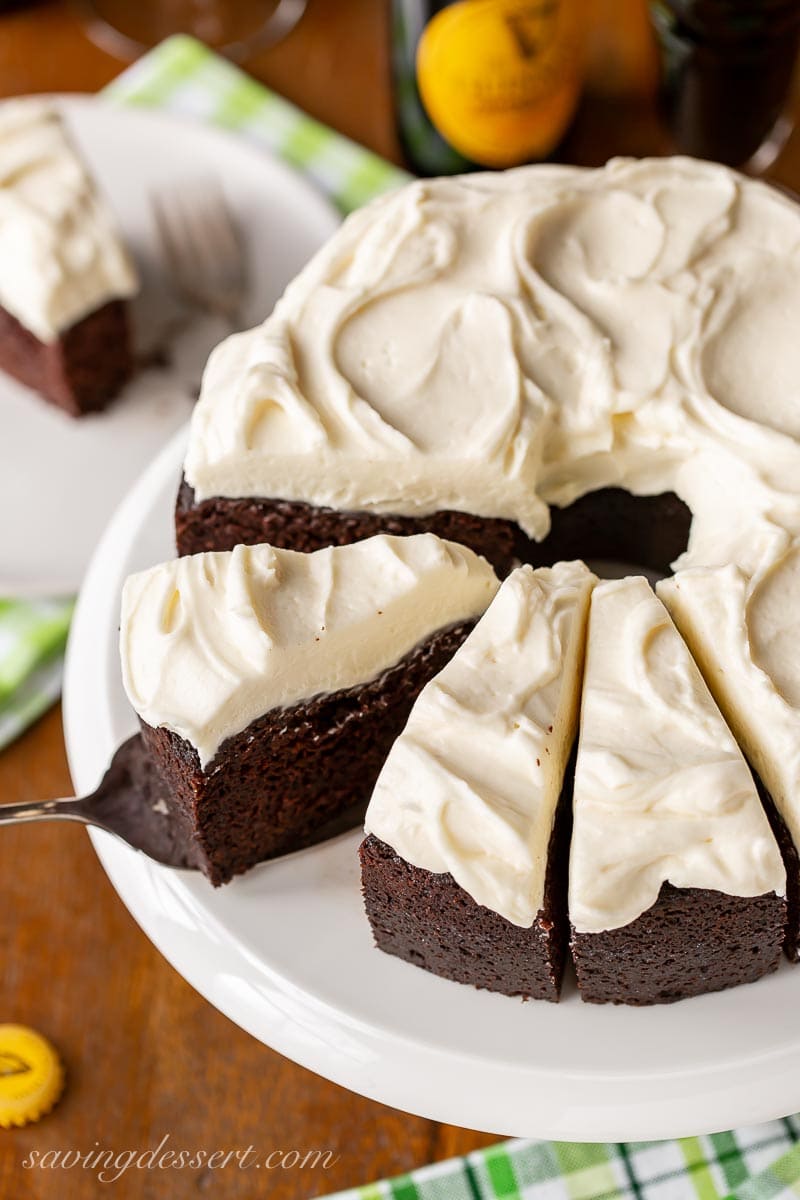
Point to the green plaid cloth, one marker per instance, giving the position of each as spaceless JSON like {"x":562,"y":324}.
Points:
{"x":32,"y":639}
{"x":183,"y":76}
{"x":760,"y":1163}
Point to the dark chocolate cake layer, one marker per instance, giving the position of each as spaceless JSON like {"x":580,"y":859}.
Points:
{"x":270,"y":788}
{"x":429,"y":920}
{"x":610,"y":523}
{"x":691,"y":941}
{"x":221,"y":523}
{"x":80,"y":371}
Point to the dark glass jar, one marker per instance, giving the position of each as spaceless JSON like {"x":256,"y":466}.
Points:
{"x":727,"y":71}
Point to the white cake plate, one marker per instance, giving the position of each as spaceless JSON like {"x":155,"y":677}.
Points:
{"x":62,"y":478}
{"x":286,"y":953}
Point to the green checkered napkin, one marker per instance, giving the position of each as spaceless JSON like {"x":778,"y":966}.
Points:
{"x":760,"y":1163}
{"x":183,"y":76}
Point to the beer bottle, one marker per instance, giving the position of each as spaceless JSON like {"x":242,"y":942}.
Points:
{"x":483,"y":83}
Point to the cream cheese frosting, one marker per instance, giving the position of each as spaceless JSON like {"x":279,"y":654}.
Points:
{"x":498,"y":343}
{"x":212,"y":641}
{"x":745,"y":635}
{"x":472,"y":784}
{"x":662,"y":792}
{"x":60,"y":255}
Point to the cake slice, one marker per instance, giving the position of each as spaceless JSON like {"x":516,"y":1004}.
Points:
{"x":270,"y":684}
{"x":64,"y":273}
{"x":676,"y":884}
{"x":464,"y":863}
{"x":743,"y":633}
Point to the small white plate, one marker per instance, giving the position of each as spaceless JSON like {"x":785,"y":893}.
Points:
{"x":61,"y":478}
{"x":286,"y":953}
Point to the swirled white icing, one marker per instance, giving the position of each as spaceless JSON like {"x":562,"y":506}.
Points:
{"x":662,"y":792}
{"x":472,"y":784}
{"x":498,"y":343}
{"x":211,"y":641}
{"x":745,"y":636}
{"x":60,"y":255}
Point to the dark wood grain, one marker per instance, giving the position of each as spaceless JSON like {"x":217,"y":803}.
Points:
{"x":146,"y":1056}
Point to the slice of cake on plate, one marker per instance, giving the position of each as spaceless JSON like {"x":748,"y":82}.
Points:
{"x":676,"y":884}
{"x":745,"y":635}
{"x":464,"y":863}
{"x":270,"y":684}
{"x":65,"y":275}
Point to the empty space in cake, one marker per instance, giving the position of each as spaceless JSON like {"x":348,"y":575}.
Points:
{"x":617,"y":533}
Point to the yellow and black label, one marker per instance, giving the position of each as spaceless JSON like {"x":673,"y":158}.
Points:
{"x":500,"y":78}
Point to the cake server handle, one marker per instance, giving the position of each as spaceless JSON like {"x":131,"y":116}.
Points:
{"x":70,"y":808}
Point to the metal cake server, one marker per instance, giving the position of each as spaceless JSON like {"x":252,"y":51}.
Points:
{"x":131,"y":803}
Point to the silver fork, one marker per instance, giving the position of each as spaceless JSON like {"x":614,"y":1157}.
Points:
{"x":203,"y":249}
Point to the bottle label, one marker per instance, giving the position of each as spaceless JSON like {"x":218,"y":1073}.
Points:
{"x":500,"y":78}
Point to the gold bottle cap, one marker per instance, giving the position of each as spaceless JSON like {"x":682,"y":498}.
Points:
{"x":31,"y":1076}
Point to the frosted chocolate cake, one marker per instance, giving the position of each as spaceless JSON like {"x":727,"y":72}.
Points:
{"x":270,"y":685}
{"x":464,"y":863}
{"x":676,"y":884}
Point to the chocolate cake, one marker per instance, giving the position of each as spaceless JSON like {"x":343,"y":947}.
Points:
{"x":464,"y":863}
{"x":676,"y":884}
{"x":544,"y":364}
{"x":743,"y":633}
{"x":547,"y":362}
{"x":64,"y":275}
{"x":270,"y":684}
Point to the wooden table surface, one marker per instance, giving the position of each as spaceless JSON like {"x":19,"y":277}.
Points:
{"x":146,"y":1056}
